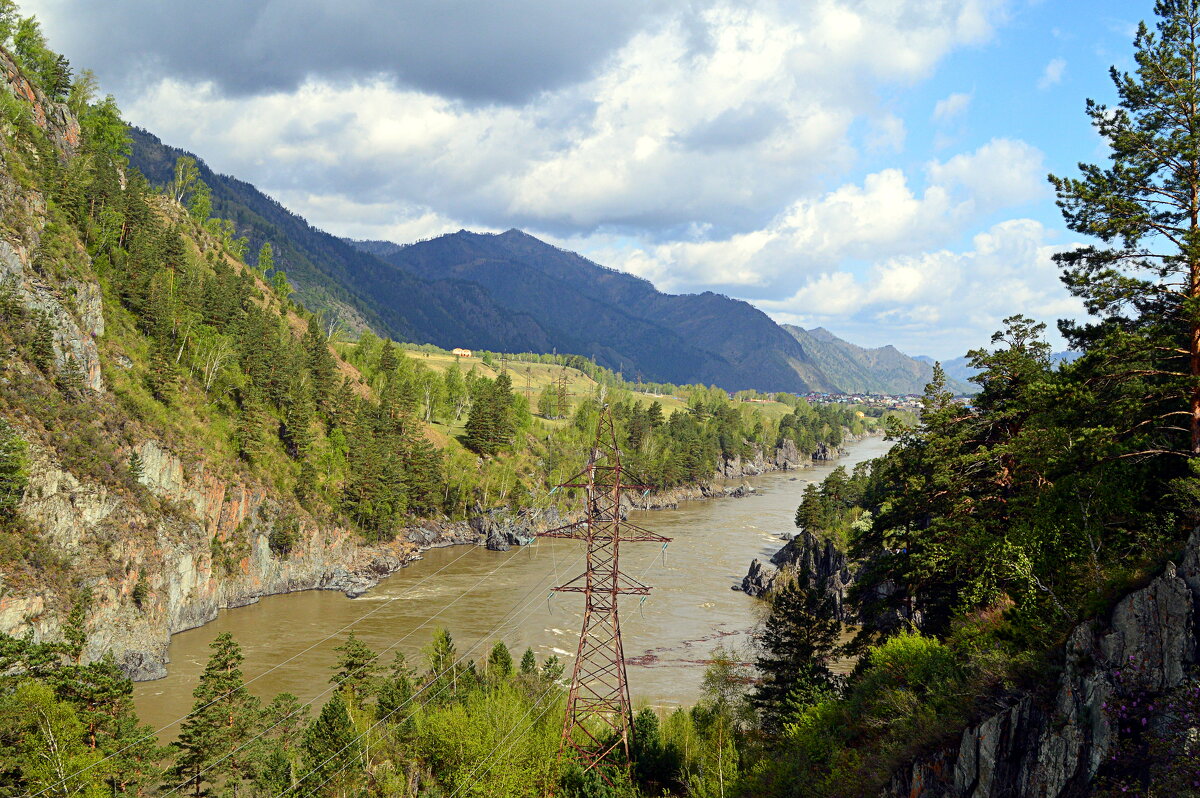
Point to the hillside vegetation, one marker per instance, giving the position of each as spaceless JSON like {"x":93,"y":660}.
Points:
{"x":177,"y":432}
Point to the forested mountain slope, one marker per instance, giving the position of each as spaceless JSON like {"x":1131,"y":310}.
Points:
{"x":621,"y":319}
{"x":178,"y":435}
{"x":359,"y":288}
{"x":856,"y":369}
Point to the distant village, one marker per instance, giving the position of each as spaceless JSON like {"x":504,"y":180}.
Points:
{"x":908,"y":401}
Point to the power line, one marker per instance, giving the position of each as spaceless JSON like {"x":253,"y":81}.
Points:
{"x":599,"y":695}
{"x":458,"y":661}
{"x":326,"y":639}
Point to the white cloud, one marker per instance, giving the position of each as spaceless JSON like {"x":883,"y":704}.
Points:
{"x":718,"y":115}
{"x":886,"y":134}
{"x":699,"y":154}
{"x":1001,"y":173}
{"x":941,"y":301}
{"x":950,"y":107}
{"x":1052,"y":74}
{"x":883,"y":217}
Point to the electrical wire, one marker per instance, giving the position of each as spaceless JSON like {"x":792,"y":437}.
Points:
{"x":395,"y":643}
{"x":528,"y":611}
{"x":154,"y":734}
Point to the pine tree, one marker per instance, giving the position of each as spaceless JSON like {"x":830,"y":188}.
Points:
{"x":799,"y":635}
{"x":424,"y":477}
{"x":163,"y":377}
{"x":1143,"y":285}
{"x":224,"y":717}
{"x":306,"y":482}
{"x":42,"y":350}
{"x":136,"y":468}
{"x":387,"y":359}
{"x":14,"y":471}
{"x":330,"y":750}
{"x":70,"y":380}
{"x":499,"y":665}
{"x":528,"y":662}
{"x":356,"y":670}
{"x":320,"y":363}
{"x":480,"y":434}
{"x":251,"y":423}
{"x":395,"y":694}
{"x":297,"y":432}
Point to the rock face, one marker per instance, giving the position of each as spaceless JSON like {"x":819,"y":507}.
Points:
{"x":812,"y":561}
{"x":198,"y":541}
{"x":1049,"y":748}
{"x":501,"y":529}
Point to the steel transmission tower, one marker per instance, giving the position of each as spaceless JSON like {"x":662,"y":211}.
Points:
{"x":599,"y":717}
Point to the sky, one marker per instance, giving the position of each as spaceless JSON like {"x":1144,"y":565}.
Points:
{"x":876,"y":167}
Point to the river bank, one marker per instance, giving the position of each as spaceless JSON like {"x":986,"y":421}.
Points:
{"x":483,"y":595}
{"x":198,"y":542}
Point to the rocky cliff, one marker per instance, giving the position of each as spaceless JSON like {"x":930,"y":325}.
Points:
{"x":197,"y":543}
{"x":1125,"y":702}
{"x":814,"y":562}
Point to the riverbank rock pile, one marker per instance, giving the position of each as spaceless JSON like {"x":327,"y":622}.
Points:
{"x":1144,"y":651}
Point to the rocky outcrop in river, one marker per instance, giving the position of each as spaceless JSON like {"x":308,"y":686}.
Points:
{"x":1052,"y":746}
{"x":812,"y":561}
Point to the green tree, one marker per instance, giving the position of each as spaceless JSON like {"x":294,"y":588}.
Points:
{"x":330,"y":751}
{"x":266,"y":259}
{"x":200,"y":202}
{"x":356,"y":670}
{"x":186,"y":175}
{"x":798,"y":638}
{"x":14,"y":470}
{"x":42,"y":739}
{"x":1143,"y":285}
{"x":499,"y":664}
{"x":223,"y":718}
{"x":281,"y":287}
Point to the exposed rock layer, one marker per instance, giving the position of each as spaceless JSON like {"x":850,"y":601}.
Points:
{"x":1051,"y":748}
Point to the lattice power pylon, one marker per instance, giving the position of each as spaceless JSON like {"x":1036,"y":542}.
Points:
{"x":599,"y":717}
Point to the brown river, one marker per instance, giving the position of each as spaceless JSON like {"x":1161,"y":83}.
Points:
{"x":482,"y":596}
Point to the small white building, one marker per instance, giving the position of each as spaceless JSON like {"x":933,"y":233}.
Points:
{"x":461,"y":352}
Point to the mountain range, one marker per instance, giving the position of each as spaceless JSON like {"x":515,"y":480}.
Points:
{"x":512,"y":292}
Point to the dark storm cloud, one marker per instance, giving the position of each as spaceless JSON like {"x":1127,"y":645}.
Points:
{"x":479,"y":51}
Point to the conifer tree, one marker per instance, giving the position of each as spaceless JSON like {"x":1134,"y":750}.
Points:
{"x":330,"y":750}
{"x":356,"y":670}
{"x":387,"y":359}
{"x":528,"y":662}
{"x":42,"y":352}
{"x":251,"y":423}
{"x":1143,"y":284}
{"x":297,"y":432}
{"x":320,"y":363}
{"x":224,"y":717}
{"x":14,"y":470}
{"x":136,"y":468}
{"x":499,"y":665}
{"x":395,"y":694}
{"x":163,"y":376}
{"x":799,"y":635}
{"x":71,"y":381}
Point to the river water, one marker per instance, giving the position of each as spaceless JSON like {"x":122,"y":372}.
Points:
{"x":482,"y":596}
